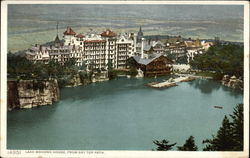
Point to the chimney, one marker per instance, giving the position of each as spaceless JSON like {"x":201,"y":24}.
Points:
{"x":40,"y":48}
{"x":142,"y":52}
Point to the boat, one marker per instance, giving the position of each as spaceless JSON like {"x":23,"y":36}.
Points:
{"x":218,"y":107}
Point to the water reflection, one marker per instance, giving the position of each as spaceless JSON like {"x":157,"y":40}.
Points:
{"x":205,"y":86}
{"x":236,"y":93}
{"x":116,"y":86}
{"x":26,"y":116}
{"x":208,"y":86}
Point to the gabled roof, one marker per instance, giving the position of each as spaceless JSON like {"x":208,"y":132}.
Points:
{"x":193,"y":43}
{"x":57,"y":40}
{"x":108,"y":33}
{"x":156,"y":43}
{"x":69,"y":31}
{"x":145,"y":61}
{"x":80,"y":35}
{"x":174,"y":40}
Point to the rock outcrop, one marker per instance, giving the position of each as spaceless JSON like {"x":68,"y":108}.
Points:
{"x":31,"y":93}
{"x":232,"y":82}
{"x":100,"y":77}
{"x":74,"y":81}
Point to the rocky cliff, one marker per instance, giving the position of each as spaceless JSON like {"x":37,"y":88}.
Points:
{"x":232,"y":82}
{"x":31,"y":93}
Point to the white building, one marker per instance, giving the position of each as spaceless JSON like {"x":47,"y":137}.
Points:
{"x":196,"y":47}
{"x":97,"y":51}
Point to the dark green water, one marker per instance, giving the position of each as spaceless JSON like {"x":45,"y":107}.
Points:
{"x":123,"y":114}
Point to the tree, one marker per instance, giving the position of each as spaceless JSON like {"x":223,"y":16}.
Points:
{"x":224,"y":59}
{"x":70,"y":67}
{"x":133,"y":71}
{"x":111,"y":73}
{"x":19,"y":66}
{"x":223,"y":140}
{"x":230,"y":135}
{"x":189,"y":145}
{"x":70,"y":63}
{"x":131,"y":63}
{"x":171,"y":56}
{"x":110,"y":65}
{"x":163,"y":145}
{"x":237,"y":125}
{"x":182,"y":59}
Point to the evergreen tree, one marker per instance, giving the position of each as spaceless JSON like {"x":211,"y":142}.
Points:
{"x":189,"y":145}
{"x":230,"y":135}
{"x":163,"y":145}
{"x":110,"y":65}
{"x":224,"y":139}
{"x":237,"y":125}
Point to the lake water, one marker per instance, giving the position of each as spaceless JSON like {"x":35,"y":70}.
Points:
{"x":123,"y":114}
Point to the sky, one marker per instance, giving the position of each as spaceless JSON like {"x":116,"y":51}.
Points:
{"x":196,"y":21}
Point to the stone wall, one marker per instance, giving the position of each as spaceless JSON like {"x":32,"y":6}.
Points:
{"x":31,"y":93}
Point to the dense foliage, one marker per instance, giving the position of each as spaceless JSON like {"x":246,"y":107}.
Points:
{"x":178,"y":59}
{"x":132,"y":67}
{"x":18,"y":67}
{"x":189,"y":145}
{"x":223,"y":59}
{"x":182,"y":59}
{"x":230,"y":135}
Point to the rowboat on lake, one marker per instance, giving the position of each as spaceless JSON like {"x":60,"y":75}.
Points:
{"x":218,"y":107}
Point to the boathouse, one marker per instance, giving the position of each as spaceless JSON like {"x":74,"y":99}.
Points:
{"x":153,"y":65}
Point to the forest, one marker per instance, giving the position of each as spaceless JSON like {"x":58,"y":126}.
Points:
{"x":223,"y":59}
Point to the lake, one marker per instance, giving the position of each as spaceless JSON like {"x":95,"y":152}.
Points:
{"x":123,"y":114}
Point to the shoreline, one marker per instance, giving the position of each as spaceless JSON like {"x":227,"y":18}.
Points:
{"x":172,"y":82}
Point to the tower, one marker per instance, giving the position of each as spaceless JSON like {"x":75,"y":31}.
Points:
{"x":69,"y":36}
{"x":57,"y":40}
{"x":139,"y":35}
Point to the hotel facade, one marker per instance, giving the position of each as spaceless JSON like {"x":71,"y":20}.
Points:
{"x":97,"y":51}
{"x":100,"y":51}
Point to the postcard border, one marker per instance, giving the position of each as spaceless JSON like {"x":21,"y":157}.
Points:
{"x":110,"y":153}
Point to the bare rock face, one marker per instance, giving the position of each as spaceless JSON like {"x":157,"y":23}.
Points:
{"x":12,"y":95}
{"x":32,"y":93}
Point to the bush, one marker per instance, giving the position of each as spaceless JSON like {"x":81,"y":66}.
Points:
{"x":133,"y":71}
{"x":112,"y":74}
{"x":218,"y":76}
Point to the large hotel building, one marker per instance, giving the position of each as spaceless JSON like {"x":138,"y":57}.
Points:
{"x":92,"y":49}
{"x":100,"y":51}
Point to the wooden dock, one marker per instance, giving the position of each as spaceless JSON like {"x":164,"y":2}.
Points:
{"x":169,"y":83}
